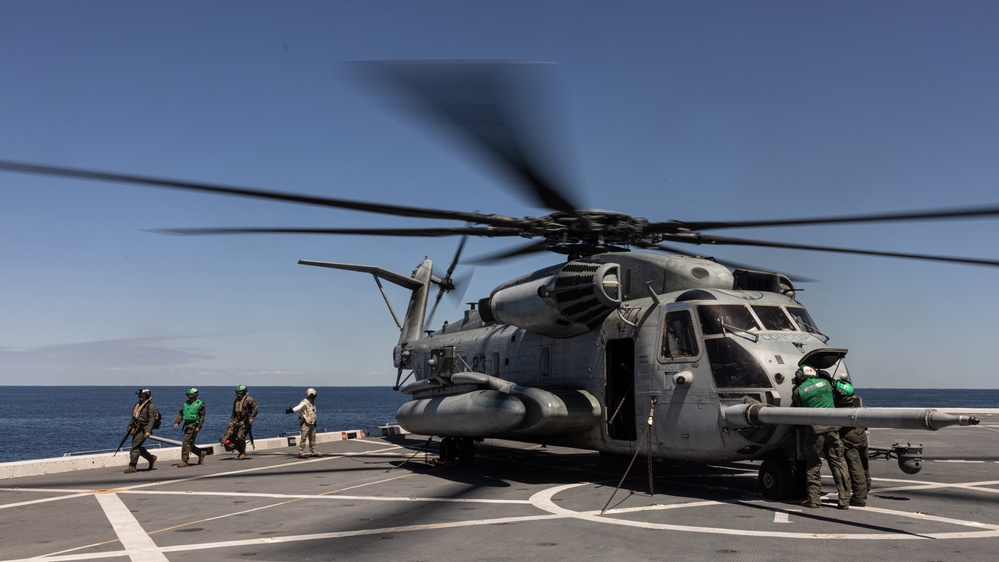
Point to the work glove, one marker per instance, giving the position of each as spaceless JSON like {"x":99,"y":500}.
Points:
{"x":289,"y":411}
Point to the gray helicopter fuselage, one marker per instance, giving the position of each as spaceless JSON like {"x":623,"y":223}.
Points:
{"x":648,"y":357}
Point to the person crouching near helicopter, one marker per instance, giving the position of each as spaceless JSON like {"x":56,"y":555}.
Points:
{"x":192,"y":413}
{"x":855,"y":445}
{"x":307,"y":420}
{"x":244,"y":409}
{"x":811,"y":391}
{"x":140,"y":427}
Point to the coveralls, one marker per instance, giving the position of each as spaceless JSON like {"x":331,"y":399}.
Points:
{"x":196,"y":412}
{"x":815,"y":392}
{"x":244,"y":409}
{"x":307,"y":418}
{"x":141,"y":424}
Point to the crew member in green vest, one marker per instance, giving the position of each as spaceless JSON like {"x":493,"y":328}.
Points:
{"x":192,"y":414}
{"x":812,"y":391}
{"x":855,"y":445}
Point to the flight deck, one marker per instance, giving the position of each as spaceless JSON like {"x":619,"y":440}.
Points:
{"x":386,"y":498}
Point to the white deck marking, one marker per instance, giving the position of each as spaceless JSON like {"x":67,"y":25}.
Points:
{"x":544,"y":500}
{"x":138,"y":545}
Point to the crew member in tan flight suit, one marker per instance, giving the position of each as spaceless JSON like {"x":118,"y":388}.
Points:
{"x":307,"y":419}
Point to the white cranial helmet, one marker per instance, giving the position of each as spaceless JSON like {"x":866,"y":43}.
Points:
{"x":310,"y":392}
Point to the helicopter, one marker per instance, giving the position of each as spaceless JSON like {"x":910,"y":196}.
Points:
{"x":629,"y":345}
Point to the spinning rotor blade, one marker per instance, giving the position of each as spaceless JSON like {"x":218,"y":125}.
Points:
{"x":480,"y":101}
{"x":488,"y":232}
{"x":726,"y":263}
{"x":380,"y":208}
{"x":533,"y":248}
{"x":943,"y":214}
{"x":445,"y":283}
{"x":722,"y":240}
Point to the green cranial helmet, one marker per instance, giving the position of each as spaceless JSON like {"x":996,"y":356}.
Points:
{"x":192,"y":392}
{"x":844,"y":388}
{"x":240,"y":388}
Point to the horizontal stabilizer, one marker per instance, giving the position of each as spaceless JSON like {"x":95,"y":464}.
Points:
{"x":390,"y":276}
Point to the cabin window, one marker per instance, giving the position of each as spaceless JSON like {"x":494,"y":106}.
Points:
{"x":495,"y":365}
{"x":773,"y":318}
{"x":546,"y":361}
{"x":733,"y":366}
{"x":717,"y":318}
{"x":803,"y":320}
{"x":679,"y":338}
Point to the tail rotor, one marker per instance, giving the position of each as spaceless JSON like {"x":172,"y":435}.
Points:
{"x":448,"y":284}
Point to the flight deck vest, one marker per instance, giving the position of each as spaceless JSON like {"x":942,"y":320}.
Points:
{"x":191,"y":410}
{"x":816,"y":393}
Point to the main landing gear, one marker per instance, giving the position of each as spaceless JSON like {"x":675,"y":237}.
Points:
{"x":457,"y":451}
{"x":781,"y":479}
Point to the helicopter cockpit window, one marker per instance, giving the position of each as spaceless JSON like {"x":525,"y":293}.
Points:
{"x":732,"y":366}
{"x":803,"y":320}
{"x":773,"y":318}
{"x":717,"y":318}
{"x":679,"y":338}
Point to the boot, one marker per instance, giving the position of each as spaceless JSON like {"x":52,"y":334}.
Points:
{"x":152,"y":461}
{"x":201,"y":456}
{"x":182,"y":464}
{"x":241,"y":456}
{"x":130,"y":469}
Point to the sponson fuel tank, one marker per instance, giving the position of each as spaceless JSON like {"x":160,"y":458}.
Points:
{"x":502,"y":408}
{"x":560,"y":302}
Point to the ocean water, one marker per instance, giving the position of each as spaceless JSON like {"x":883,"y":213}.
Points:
{"x":48,"y":421}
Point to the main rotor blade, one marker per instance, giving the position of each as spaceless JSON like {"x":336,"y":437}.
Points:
{"x":533,"y":248}
{"x":488,"y":232}
{"x":480,"y":101}
{"x":722,"y":240}
{"x":380,"y":208}
{"x":726,"y":263}
{"x":941,"y":214}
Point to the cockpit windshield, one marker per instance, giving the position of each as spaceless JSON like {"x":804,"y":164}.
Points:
{"x":803,"y":320}
{"x":773,"y":318}
{"x":717,"y":318}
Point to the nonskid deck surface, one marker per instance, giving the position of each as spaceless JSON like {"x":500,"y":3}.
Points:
{"x":381,"y":498}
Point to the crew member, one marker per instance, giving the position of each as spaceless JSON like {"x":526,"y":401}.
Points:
{"x":244,"y":409}
{"x":811,"y":391}
{"x":192,"y":413}
{"x":307,"y":420}
{"x":854,"y":446}
{"x":140,"y":427}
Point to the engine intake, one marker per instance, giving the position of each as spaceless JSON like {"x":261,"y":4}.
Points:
{"x":570,"y":301}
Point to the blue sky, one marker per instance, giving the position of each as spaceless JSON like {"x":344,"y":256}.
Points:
{"x":667,"y":110}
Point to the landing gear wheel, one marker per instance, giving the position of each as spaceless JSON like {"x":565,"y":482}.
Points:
{"x":776,"y":480}
{"x":466,"y":451}
{"x":448,"y":451}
